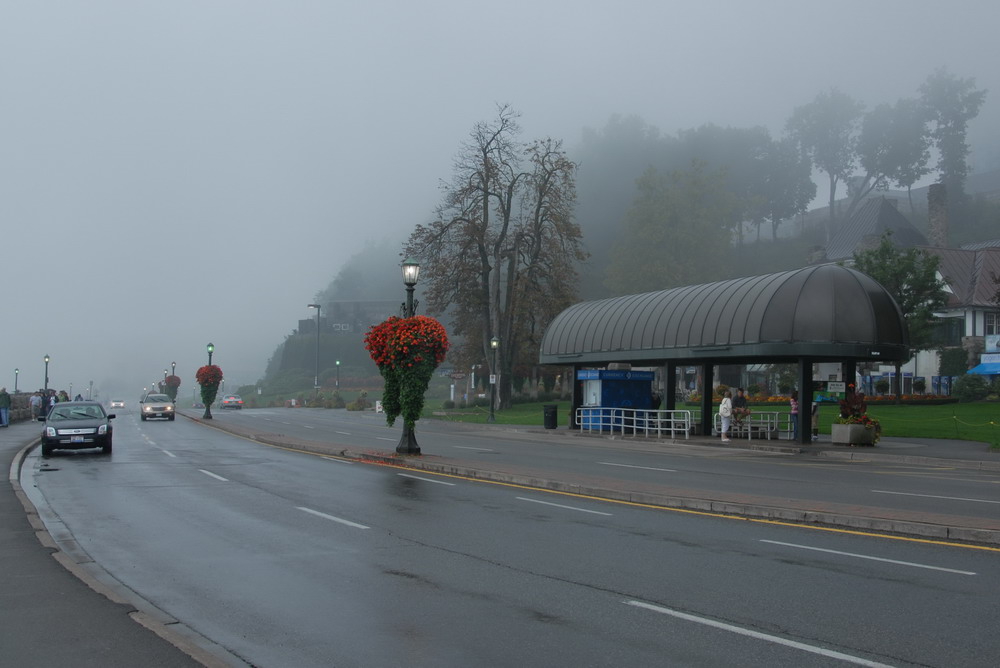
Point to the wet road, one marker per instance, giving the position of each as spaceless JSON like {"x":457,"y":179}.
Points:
{"x":293,"y":559}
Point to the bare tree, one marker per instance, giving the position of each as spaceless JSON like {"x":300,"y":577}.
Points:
{"x":501,"y":257}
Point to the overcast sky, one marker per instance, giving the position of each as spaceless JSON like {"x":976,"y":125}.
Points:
{"x":179,"y":172}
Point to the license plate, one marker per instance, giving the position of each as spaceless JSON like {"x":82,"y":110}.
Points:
{"x":76,"y":439}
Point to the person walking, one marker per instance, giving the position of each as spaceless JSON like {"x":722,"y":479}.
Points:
{"x":726,"y":414}
{"x":35,"y":403}
{"x":4,"y":407}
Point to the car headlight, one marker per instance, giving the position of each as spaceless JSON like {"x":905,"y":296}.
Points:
{"x":146,"y":408}
{"x":170,"y":408}
{"x":50,"y":432}
{"x":103,"y":429}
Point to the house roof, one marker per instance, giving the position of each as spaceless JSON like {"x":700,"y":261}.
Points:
{"x":874,"y":217}
{"x":969,"y":274}
{"x":823,"y":312}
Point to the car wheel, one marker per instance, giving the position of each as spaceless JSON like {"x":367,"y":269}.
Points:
{"x":106,"y":448}
{"x":142,"y":417}
{"x":46,"y":450}
{"x":171,"y":418}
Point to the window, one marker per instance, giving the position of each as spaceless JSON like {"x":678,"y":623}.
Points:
{"x":992,"y":323}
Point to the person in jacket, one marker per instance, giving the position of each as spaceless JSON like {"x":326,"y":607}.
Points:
{"x":726,"y":414}
{"x":4,"y":407}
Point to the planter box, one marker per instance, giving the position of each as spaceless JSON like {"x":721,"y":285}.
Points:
{"x":852,"y":434}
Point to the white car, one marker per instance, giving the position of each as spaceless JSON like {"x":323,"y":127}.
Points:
{"x":157,"y":406}
{"x":117,"y":403}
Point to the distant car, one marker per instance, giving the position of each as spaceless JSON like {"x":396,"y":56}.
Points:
{"x":76,"y":425}
{"x":232,"y":401}
{"x":117,"y":403}
{"x":157,"y":406}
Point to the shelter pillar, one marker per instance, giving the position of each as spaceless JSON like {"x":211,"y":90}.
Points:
{"x":707,"y":382}
{"x":577,"y":400}
{"x":670,"y":387}
{"x":805,"y":400}
{"x":849,"y":371}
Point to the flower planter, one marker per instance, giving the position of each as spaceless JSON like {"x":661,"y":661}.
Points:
{"x":852,"y":434}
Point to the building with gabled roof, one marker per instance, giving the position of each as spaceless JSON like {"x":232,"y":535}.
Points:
{"x":864,"y":230}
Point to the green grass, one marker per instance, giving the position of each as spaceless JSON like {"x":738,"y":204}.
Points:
{"x":979,"y":421}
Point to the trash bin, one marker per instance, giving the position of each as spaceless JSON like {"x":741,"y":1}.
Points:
{"x":549,"y":411}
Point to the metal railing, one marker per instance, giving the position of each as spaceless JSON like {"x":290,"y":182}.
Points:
{"x":636,"y":421}
{"x":762,"y":424}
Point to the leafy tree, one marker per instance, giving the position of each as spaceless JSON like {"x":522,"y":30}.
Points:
{"x":892,"y":146}
{"x":501,"y":256}
{"x":951,"y":102}
{"x":675,"y":217}
{"x":910,"y":276}
{"x":825,"y":130}
{"x":786,"y":185}
{"x":970,"y":387}
{"x":954,"y":361}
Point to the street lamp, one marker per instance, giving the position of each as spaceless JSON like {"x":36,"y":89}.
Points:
{"x":338,"y":375}
{"x":47,"y":358}
{"x":411,"y":270}
{"x":316,"y":379}
{"x":173,"y":368}
{"x":16,"y":372}
{"x":494,"y":344}
{"x":211,"y":349}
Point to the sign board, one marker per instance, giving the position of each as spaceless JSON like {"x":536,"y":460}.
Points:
{"x":378,"y":406}
{"x":458,"y":375}
{"x":993,"y":343}
{"x":989,"y":358}
{"x":493,"y":379}
{"x":837,"y":386}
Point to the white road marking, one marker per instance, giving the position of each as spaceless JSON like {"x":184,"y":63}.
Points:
{"x":345,"y":433}
{"x":468,"y":447}
{"x":559,"y":505}
{"x":383,"y":438}
{"x":416,"y":477}
{"x":332,"y":518}
{"x":631,"y":466}
{"x":865,"y":556}
{"x":932,"y":496}
{"x":840,"y":656}
{"x":168,"y":453}
{"x":308,"y":426}
{"x":212,"y":475}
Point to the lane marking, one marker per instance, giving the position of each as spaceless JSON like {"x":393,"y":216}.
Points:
{"x":559,"y":505}
{"x":469,"y":447}
{"x":383,"y":438}
{"x":416,"y":477}
{"x":332,"y":518}
{"x":308,"y":426}
{"x":932,"y":496}
{"x":212,"y":475}
{"x":632,"y":466}
{"x":840,"y":656}
{"x":345,"y":433}
{"x":168,"y":453}
{"x":865,"y":556}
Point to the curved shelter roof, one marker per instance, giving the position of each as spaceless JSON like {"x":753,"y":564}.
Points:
{"x":822,"y":312}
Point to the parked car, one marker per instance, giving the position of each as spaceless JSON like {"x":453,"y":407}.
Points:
{"x":157,"y":406}
{"x":117,"y":403}
{"x":76,"y":425}
{"x":232,"y":401}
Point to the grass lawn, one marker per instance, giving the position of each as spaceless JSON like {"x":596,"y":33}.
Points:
{"x":979,"y":421}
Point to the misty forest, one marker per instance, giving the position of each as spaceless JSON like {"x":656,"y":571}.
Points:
{"x":528,"y":226}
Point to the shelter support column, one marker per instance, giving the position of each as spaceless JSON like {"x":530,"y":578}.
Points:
{"x":577,"y":400}
{"x":849,"y":370}
{"x":805,"y":400}
{"x":707,"y":383}
{"x":670,"y":387}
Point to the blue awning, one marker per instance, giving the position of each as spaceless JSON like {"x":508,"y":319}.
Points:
{"x":986,"y":369}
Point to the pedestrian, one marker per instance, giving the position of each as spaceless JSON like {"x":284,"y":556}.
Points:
{"x":35,"y":403}
{"x":78,"y":397}
{"x":63,"y":396}
{"x":4,"y":407}
{"x":794,"y":404}
{"x":726,"y":414}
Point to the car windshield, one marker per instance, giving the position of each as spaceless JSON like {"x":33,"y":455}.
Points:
{"x":157,"y":397}
{"x":76,"y":413}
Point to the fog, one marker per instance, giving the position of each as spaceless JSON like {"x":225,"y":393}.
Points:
{"x":178,"y":173}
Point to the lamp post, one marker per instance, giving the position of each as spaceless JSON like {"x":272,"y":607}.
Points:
{"x":338,"y":375}
{"x":47,"y":358}
{"x":411,"y":271}
{"x":494,"y":344}
{"x":208,"y":404}
{"x":90,"y":391}
{"x":16,"y":372}
{"x":316,"y":379}
{"x":211,"y":349}
{"x":173,"y":368}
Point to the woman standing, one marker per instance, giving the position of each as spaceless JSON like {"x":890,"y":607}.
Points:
{"x":726,"y":413}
